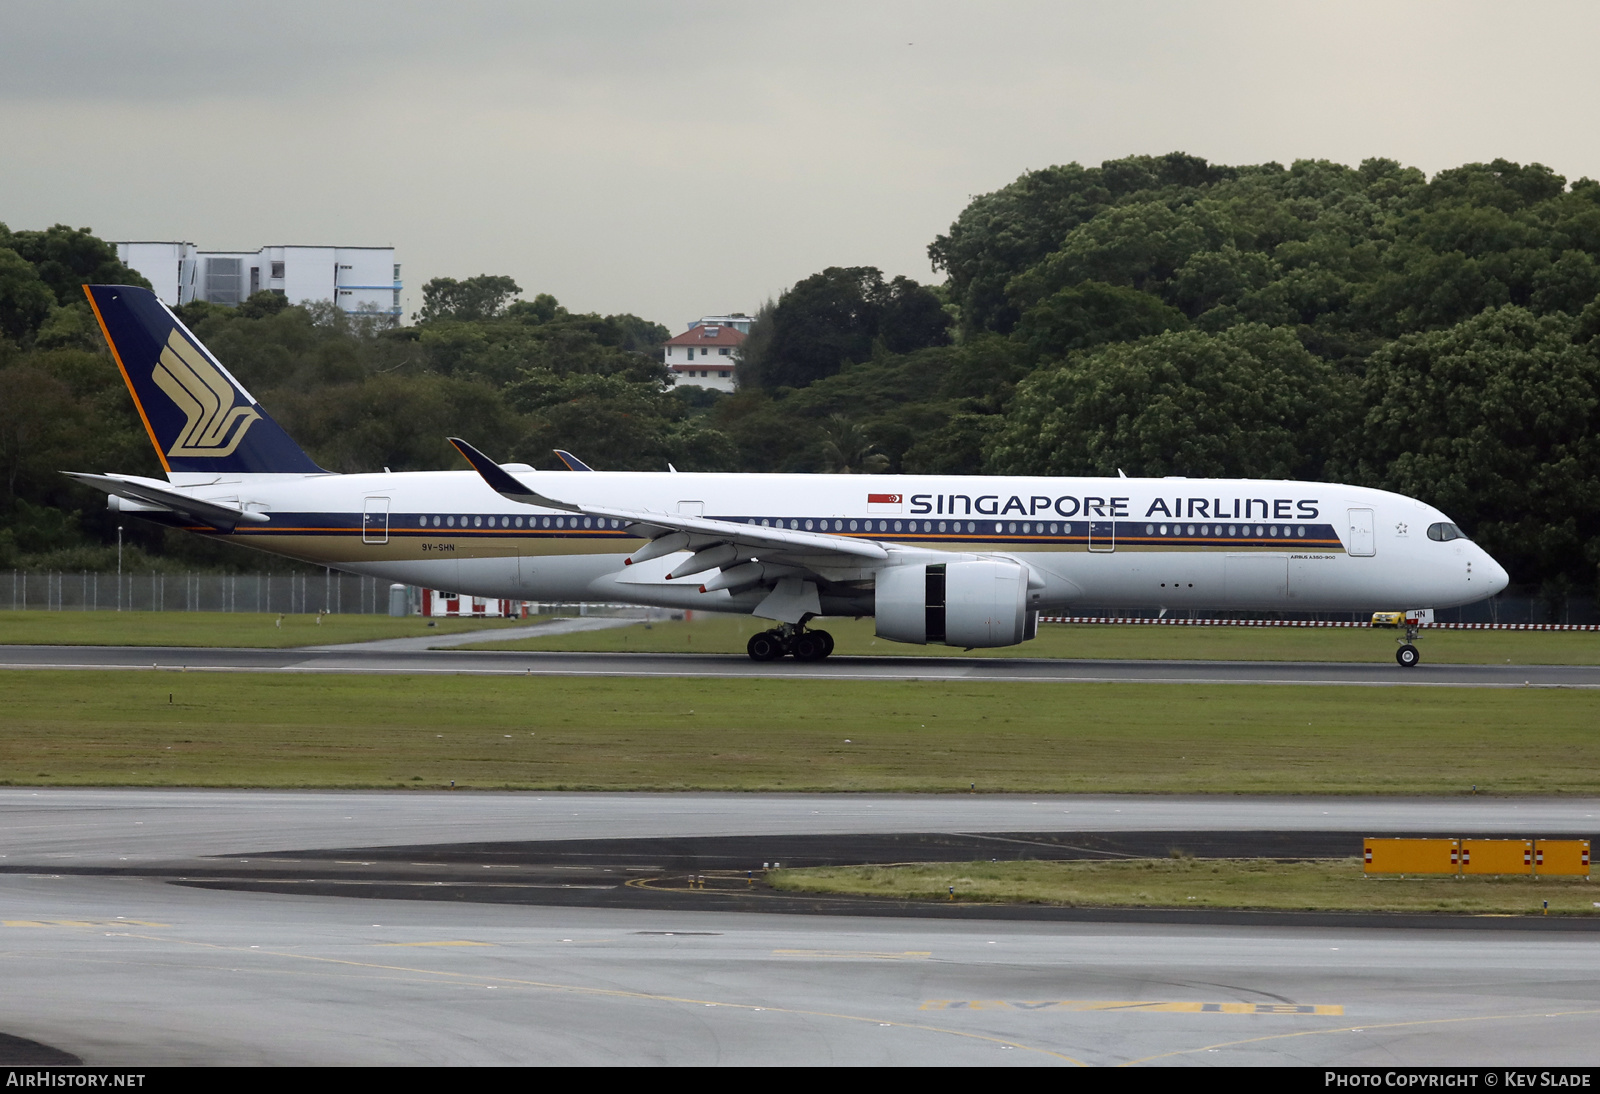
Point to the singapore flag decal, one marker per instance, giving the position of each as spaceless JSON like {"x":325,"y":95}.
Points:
{"x":884,"y":503}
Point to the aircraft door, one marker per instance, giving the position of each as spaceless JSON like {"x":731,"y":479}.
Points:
{"x":1362,"y":543}
{"x":375,"y":521}
{"x":1102,"y":535}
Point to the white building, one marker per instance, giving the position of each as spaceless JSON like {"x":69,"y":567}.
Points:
{"x":704,"y":355}
{"x":359,"y":279}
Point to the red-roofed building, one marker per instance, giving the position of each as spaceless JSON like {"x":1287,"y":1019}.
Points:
{"x":704,"y":355}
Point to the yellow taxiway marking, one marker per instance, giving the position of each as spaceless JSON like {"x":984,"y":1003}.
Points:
{"x":436,"y":975}
{"x":459,"y":942}
{"x":1153,"y":1006}
{"x":80,"y":923}
{"x":1362,"y":1029}
{"x":914,"y":955}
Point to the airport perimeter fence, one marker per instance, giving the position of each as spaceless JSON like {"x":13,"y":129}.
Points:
{"x":1496,"y":610}
{"x":340,"y":593}
{"x":287,"y":594}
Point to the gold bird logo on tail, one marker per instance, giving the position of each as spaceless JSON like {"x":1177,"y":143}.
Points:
{"x":215,"y":426}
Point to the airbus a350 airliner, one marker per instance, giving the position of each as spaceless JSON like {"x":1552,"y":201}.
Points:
{"x":960,"y":560}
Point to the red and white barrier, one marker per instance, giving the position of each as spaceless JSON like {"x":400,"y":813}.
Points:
{"x":1138,"y":620}
{"x":440,"y":604}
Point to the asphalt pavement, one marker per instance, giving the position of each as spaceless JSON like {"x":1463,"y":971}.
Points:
{"x":993,"y":669}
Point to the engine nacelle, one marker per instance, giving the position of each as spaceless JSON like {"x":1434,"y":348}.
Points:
{"x":975,"y":603}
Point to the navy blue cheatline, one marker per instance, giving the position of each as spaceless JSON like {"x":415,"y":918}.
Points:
{"x":199,"y":417}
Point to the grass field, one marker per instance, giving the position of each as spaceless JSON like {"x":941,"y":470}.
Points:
{"x":254,"y":629}
{"x":1328,"y":885}
{"x":169,"y":728}
{"x":728,"y":634}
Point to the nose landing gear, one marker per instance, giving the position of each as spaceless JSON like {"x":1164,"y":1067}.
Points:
{"x":790,"y":639}
{"x":1407,"y":655}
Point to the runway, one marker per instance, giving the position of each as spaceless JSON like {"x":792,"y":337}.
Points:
{"x":714,"y":666}
{"x":108,"y":961}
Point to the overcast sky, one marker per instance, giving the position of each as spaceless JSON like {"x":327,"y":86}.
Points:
{"x":678,"y":159}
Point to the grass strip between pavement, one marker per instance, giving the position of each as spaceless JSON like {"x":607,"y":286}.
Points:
{"x":171,"y":728}
{"x":253,"y":630}
{"x":1319,"y":885}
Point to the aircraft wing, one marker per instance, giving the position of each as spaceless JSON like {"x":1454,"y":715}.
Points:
{"x":672,"y":532}
{"x":163,"y":496}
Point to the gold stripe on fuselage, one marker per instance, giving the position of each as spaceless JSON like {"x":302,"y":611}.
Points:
{"x":340,"y":547}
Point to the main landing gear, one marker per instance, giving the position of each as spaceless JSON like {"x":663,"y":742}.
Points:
{"x":790,"y":639}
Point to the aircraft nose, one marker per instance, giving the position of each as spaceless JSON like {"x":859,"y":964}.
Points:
{"x":1498,"y":578}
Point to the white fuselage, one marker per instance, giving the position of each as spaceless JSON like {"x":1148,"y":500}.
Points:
{"x":1162,"y":543}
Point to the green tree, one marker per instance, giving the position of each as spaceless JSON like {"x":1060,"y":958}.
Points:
{"x":1093,"y":313}
{"x":848,"y":448}
{"x":822,"y":322}
{"x":25,"y":300}
{"x":1497,"y":422}
{"x":483,"y":297}
{"x":999,"y":235}
{"x":836,"y":317}
{"x":911,"y":317}
{"x":1249,"y":402}
{"x":69,"y":258}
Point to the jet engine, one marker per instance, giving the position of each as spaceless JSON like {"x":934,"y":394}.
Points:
{"x":974,"y":603}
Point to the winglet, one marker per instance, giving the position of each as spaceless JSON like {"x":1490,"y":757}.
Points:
{"x":503,"y":482}
{"x":572,"y":462}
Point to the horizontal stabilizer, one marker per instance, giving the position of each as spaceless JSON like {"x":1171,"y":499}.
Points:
{"x":161,"y":495}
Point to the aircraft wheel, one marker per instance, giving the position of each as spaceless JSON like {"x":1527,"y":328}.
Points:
{"x":766,"y":646}
{"x":1408,"y":656}
{"x":811,"y":646}
{"x":827,"y":642}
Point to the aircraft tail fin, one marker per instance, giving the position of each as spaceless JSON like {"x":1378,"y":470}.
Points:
{"x":200,"y":419}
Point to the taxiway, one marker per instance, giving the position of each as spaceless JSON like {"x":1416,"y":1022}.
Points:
{"x":711,"y":666}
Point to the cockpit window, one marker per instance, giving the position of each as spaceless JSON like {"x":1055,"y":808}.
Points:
{"x":1444,"y":533}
